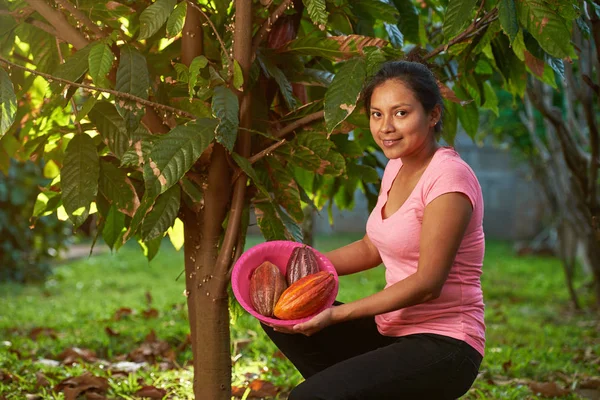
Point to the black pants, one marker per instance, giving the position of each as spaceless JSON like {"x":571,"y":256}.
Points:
{"x":352,"y":360}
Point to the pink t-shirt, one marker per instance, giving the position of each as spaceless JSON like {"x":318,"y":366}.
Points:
{"x":458,"y":312}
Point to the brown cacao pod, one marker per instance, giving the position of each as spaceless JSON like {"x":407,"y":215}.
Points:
{"x":301,"y":263}
{"x":306,"y":296}
{"x":266,"y":285}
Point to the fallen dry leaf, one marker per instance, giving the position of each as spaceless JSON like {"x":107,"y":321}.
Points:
{"x":5,"y":376}
{"x":150,"y":313}
{"x":258,"y":389}
{"x":110,"y":332}
{"x":75,"y":386}
{"x":151,"y":350}
{"x":506,"y":365}
{"x":71,"y":355}
{"x":148,"y":298}
{"x":590,"y":383}
{"x":547,"y":389}
{"x":151,"y":392}
{"x":122,"y":312}
{"x":35,"y":332}
{"x":41,"y":380}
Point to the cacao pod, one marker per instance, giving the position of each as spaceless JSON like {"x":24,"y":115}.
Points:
{"x":301,"y":263}
{"x":306,"y":296}
{"x":266,"y":285}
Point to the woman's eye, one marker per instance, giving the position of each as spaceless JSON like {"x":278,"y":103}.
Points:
{"x":376,"y":114}
{"x":401,"y":113}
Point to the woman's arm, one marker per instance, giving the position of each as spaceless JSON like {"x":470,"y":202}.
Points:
{"x":355,"y":257}
{"x":445,"y":221}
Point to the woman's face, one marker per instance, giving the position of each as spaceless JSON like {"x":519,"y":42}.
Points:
{"x":398,"y":121}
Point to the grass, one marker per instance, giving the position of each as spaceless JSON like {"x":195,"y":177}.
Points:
{"x":533,"y":335}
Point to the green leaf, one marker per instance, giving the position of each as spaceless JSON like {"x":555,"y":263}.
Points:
{"x":86,"y":107}
{"x":507,"y":12}
{"x":8,"y":102}
{"x":176,"y":234}
{"x":174,"y":153}
{"x":111,"y":126}
{"x":151,"y":247}
{"x":176,"y":20}
{"x":314,"y":45}
{"x":285,"y":188}
{"x":132,"y":78}
{"x":458,"y":14}
{"x":73,"y":69}
{"x":343,"y":93}
{"x":117,"y":188}
{"x":268,"y":221}
{"x":375,"y":10}
{"x":468,"y":115}
{"x":138,"y":152}
{"x":408,"y":22}
{"x":194,"y":73}
{"x":491,"y":99}
{"x":317,"y":11}
{"x":314,"y":152}
{"x":226,"y":108}
{"x":396,"y":37}
{"x":114,"y":228}
{"x":293,"y":231}
{"x":154,"y":17}
{"x":365,"y":173}
{"x":550,"y":29}
{"x":238,"y":75}
{"x":100,"y":60}
{"x":557,"y":65}
{"x":44,"y":51}
{"x":162,"y":215}
{"x":191,"y":190}
{"x":450,"y":122}
{"x":79,"y":177}
{"x":145,"y":206}
{"x":271,"y":70}
{"x":245,"y":165}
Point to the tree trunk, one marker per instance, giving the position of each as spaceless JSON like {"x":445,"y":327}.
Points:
{"x":208,"y":311}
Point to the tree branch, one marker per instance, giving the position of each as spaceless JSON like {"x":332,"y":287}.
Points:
{"x":81,"y":17}
{"x":298,"y":123}
{"x":266,"y":26}
{"x":472,"y":30}
{"x":71,"y":35}
{"x":223,"y":47}
{"x":257,"y":157}
{"x":242,"y":52}
{"x":573,"y":157}
{"x":65,"y":30}
{"x":115,"y":93}
{"x":45,"y":27}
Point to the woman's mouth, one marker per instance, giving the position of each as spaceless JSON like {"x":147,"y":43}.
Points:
{"x":390,"y":142}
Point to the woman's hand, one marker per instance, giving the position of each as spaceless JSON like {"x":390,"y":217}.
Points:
{"x":310,"y":327}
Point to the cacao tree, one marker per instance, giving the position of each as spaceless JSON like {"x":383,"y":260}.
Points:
{"x":186,"y":117}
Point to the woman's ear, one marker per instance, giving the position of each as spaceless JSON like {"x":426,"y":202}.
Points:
{"x":435,"y":115}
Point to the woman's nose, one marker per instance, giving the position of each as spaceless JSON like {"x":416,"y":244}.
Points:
{"x":386,"y":125}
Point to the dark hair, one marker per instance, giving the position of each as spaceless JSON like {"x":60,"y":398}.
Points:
{"x":417,"y":76}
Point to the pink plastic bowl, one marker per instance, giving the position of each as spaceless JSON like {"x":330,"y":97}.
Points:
{"x":278,"y":252}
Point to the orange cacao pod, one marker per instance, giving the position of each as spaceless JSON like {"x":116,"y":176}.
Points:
{"x":266,"y":285}
{"x":306,"y":296}
{"x":301,"y":263}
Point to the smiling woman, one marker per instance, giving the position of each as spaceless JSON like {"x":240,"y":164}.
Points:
{"x":427,"y":324}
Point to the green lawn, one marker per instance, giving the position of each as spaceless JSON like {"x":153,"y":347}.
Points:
{"x":533,"y":335}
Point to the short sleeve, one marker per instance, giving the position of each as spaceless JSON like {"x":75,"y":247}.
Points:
{"x":452,"y":176}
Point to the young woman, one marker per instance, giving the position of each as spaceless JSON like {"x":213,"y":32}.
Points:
{"x":423,"y":336}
